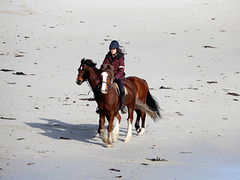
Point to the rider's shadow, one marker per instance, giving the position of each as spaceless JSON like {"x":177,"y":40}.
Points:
{"x":57,"y":129}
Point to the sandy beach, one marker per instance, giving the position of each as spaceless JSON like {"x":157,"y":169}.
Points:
{"x":187,"y":51}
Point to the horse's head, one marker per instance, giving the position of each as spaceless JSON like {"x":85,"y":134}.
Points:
{"x":83,"y":70}
{"x":106,"y":77}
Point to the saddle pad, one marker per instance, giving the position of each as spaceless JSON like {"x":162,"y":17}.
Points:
{"x":117,"y":89}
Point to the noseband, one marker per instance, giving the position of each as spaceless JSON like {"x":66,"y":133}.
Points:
{"x":108,"y":84}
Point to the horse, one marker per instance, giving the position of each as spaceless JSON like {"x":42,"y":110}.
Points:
{"x":109,"y":102}
{"x":88,"y":71}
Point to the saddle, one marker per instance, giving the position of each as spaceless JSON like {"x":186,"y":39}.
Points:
{"x":115,"y":85}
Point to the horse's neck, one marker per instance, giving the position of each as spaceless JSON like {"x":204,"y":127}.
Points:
{"x":94,"y":77}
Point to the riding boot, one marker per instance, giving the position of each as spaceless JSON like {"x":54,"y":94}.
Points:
{"x":97,"y":110}
{"x":123,"y":107}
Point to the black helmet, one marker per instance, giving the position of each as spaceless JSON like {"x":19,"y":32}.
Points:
{"x":114,"y":45}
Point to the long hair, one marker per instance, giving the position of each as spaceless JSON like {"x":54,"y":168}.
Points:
{"x":120,"y":51}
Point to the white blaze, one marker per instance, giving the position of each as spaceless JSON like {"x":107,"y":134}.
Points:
{"x":104,"y":82}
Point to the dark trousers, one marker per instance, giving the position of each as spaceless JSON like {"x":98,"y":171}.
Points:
{"x":120,"y":85}
{"x":122,"y":92}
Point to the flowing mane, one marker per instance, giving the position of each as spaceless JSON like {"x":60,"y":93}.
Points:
{"x":88,"y":62}
{"x":108,"y":68}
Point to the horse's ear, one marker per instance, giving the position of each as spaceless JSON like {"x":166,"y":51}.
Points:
{"x":82,"y":61}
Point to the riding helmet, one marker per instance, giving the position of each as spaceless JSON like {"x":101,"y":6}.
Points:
{"x":114,"y":45}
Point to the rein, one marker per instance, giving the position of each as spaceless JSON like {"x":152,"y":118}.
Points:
{"x":94,"y":90}
{"x":91,"y":80}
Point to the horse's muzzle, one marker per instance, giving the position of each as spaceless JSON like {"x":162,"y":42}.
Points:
{"x":103,"y":91}
{"x":79,"y":82}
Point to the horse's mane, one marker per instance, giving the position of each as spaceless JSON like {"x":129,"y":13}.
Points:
{"x":108,"y":68}
{"x":88,"y":62}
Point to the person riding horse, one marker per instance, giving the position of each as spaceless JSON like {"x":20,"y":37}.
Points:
{"x":115,"y":57}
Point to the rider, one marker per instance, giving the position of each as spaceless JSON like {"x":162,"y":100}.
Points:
{"x":115,"y":57}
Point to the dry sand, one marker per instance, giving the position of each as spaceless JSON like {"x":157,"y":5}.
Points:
{"x":188,"y":48}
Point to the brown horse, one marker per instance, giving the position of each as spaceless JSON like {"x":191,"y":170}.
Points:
{"x":88,"y":71}
{"x":108,"y":103}
{"x":143,"y":94}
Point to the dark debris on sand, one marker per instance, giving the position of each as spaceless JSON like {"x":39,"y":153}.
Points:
{"x":157,"y":159}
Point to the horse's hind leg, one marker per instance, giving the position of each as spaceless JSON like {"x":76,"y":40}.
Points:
{"x":137,"y":127}
{"x":116,"y":127}
{"x":129,"y":131}
{"x":143,"y":117}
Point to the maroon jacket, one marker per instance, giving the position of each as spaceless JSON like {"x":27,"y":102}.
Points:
{"x":117,"y":63}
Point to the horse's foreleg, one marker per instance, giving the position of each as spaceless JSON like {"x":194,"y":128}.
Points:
{"x":101,"y":127}
{"x":98,"y":132}
{"x":110,"y":129}
{"x":116,"y":127}
{"x":129,"y":131}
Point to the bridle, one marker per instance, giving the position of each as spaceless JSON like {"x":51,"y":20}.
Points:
{"x":89,"y":79}
{"x":110,"y":83}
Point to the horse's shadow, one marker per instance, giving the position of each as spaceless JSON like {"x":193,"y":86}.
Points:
{"x":57,"y":129}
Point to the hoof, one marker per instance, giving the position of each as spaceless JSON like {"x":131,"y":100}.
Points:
{"x":127,"y":139}
{"x":109,"y":145}
{"x":104,"y":140}
{"x":141,"y":132}
{"x":138,"y":130}
{"x":104,"y":136}
{"x":97,"y":135}
{"x":115,"y":136}
{"x":115,"y":139}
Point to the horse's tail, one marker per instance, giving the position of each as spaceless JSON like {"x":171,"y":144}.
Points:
{"x":153,"y":105}
{"x":142,"y":107}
